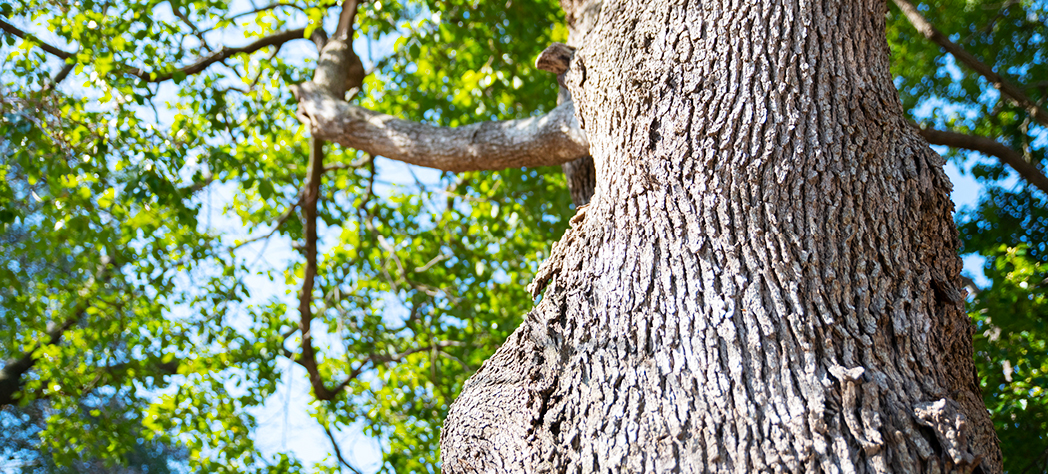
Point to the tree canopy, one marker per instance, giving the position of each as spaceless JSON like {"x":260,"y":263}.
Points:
{"x":165,"y":256}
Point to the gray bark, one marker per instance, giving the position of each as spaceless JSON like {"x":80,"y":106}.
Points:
{"x":581,"y":177}
{"x":766,"y":278}
{"x":552,"y":139}
{"x":580,"y":174}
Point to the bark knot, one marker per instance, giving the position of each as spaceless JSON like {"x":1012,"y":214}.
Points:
{"x":944,"y":417}
{"x":853,"y":374}
{"x":556,"y":58}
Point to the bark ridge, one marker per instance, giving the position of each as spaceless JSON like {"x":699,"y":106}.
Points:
{"x":766,"y":278}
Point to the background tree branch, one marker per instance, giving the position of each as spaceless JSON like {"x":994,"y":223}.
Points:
{"x":338,"y":70}
{"x":990,"y":147}
{"x":200,"y":65}
{"x":203,"y":63}
{"x":1006,"y":88}
{"x":310,"y":196}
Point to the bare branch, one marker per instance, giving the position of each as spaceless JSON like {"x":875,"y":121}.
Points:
{"x":990,"y":147}
{"x":1007,"y":89}
{"x":549,"y":140}
{"x":439,"y":258}
{"x":27,"y":36}
{"x":62,"y":74}
{"x":221,"y":55}
{"x":338,"y":69}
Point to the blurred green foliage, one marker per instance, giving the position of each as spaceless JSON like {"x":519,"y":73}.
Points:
{"x":126,"y":207}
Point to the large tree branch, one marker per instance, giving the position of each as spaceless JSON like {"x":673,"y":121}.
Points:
{"x":221,"y":55}
{"x":27,"y":36}
{"x":552,"y":139}
{"x":989,"y":147}
{"x":1006,"y":88}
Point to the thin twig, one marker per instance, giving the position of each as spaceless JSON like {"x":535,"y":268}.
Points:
{"x":465,"y":366}
{"x":192,"y":26}
{"x":338,"y":452}
{"x":27,"y":36}
{"x":439,"y":258}
{"x":355,"y":164}
{"x":280,"y":221}
{"x":261,"y":9}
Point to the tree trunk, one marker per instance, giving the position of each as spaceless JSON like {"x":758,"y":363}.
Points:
{"x":766,"y":278}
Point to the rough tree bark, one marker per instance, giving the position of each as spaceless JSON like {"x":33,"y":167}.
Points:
{"x":766,"y":278}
